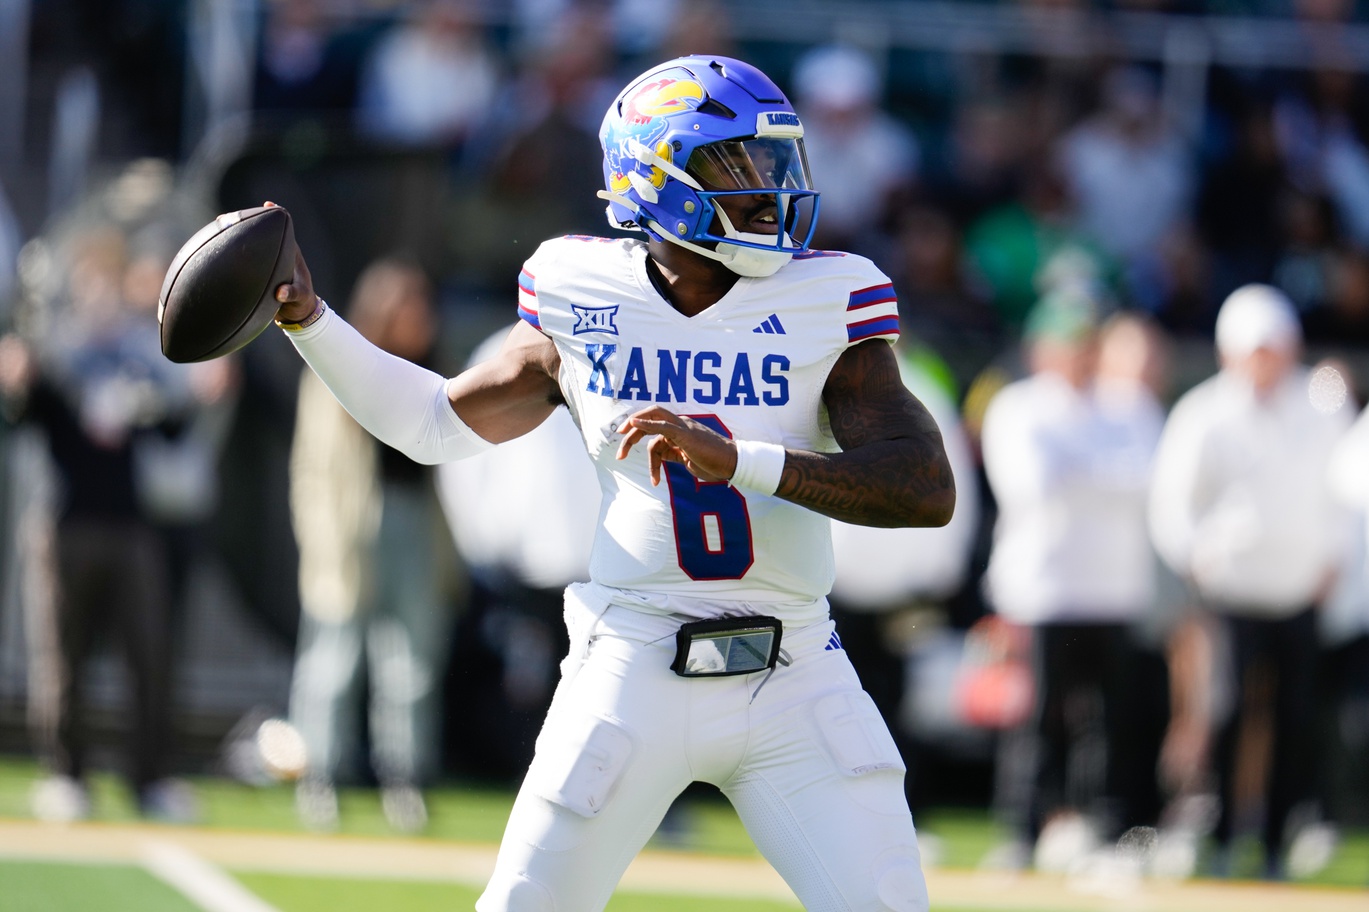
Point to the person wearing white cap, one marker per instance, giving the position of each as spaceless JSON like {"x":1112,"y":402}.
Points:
{"x":1240,"y":508}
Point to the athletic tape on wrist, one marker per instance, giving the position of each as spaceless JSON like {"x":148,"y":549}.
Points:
{"x":320,"y":308}
{"x":759,"y":466}
{"x":315,"y":327}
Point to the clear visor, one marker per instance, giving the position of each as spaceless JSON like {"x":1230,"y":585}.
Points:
{"x":760,"y":186}
{"x":751,"y":164}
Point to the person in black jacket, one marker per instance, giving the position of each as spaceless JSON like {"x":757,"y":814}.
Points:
{"x":101,"y":384}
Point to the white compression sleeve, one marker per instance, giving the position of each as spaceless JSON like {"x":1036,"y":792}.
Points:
{"x":400,"y":403}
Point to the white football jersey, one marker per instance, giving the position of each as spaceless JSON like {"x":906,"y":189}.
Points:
{"x":752,"y":366}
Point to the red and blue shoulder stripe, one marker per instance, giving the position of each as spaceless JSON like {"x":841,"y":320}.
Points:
{"x":527,"y":299}
{"x":872,"y":313}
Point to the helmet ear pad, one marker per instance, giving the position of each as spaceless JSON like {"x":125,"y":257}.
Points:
{"x":689,"y":209}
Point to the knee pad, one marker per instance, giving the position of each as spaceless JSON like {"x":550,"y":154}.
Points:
{"x":517,"y":894}
{"x":900,"y":886}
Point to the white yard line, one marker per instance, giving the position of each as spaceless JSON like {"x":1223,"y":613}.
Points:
{"x":199,"y":881}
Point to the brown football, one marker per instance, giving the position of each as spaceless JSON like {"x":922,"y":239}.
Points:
{"x":220,"y":291}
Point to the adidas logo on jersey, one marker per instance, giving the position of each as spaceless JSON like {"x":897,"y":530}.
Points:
{"x":771,"y":325}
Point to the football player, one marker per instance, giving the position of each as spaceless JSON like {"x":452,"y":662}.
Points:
{"x":734,"y":389}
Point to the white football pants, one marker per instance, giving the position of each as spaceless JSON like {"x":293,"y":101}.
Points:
{"x":808,"y":764}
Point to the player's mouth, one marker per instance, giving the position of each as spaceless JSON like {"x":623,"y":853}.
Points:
{"x":763,"y":220}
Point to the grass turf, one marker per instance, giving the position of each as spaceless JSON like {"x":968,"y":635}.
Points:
{"x":312,"y":894}
{"x":57,"y":887}
{"x":53,"y":887}
{"x":459,"y":812}
{"x":66,"y":887}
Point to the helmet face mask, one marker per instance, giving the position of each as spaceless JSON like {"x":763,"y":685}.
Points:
{"x":765,"y":184}
{"x":707,"y":153}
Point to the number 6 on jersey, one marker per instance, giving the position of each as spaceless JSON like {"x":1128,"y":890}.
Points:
{"x":712,"y":525}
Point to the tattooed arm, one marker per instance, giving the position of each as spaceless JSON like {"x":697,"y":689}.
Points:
{"x":892,"y":470}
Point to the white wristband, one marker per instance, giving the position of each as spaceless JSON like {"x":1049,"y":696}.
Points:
{"x":759,"y":466}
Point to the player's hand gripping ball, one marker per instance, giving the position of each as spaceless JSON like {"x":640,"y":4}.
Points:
{"x":220,"y":291}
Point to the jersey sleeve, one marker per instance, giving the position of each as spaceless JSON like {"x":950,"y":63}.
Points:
{"x":542,"y":263}
{"x":872,"y":310}
{"x":544,"y":279}
{"x":527,"y":295}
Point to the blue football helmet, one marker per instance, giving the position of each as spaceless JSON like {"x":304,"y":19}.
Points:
{"x":694,"y":130}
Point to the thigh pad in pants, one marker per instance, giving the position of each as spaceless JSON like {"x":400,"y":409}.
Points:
{"x":579,"y":760}
{"x":859,"y":744}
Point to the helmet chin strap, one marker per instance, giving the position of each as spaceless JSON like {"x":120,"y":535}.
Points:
{"x":750,"y":262}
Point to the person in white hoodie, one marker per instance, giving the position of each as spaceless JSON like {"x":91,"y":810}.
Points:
{"x":1345,"y":638}
{"x":1068,"y":462}
{"x":1241,"y":510}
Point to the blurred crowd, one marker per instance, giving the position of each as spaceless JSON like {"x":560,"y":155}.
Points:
{"x":1146,"y":340}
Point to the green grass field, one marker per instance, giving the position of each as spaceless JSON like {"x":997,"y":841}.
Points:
{"x":50,"y":887}
{"x":461,"y":816}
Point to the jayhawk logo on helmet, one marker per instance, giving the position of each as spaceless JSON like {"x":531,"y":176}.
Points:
{"x":662,"y":96}
{"x":641,"y":120}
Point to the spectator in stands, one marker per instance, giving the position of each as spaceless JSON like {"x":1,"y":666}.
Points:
{"x":1017,"y":247}
{"x":1131,"y":177}
{"x":431,"y":80}
{"x":1240,"y":508}
{"x":863,"y":159}
{"x":1305,"y":263}
{"x":1318,"y":131}
{"x":1343,"y":320}
{"x":95,"y":389}
{"x":306,"y":66}
{"x":1068,"y":461}
{"x":1241,"y":212}
{"x":176,"y":463}
{"x":942,"y":302}
{"x":980,"y":164}
{"x":697,"y":24}
{"x":633,"y":27}
{"x":371,"y":557}
{"x":542,"y":151}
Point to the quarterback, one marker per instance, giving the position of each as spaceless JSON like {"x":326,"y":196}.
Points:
{"x":734,"y":389}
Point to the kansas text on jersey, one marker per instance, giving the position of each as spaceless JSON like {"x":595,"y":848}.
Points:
{"x":752,"y":366}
